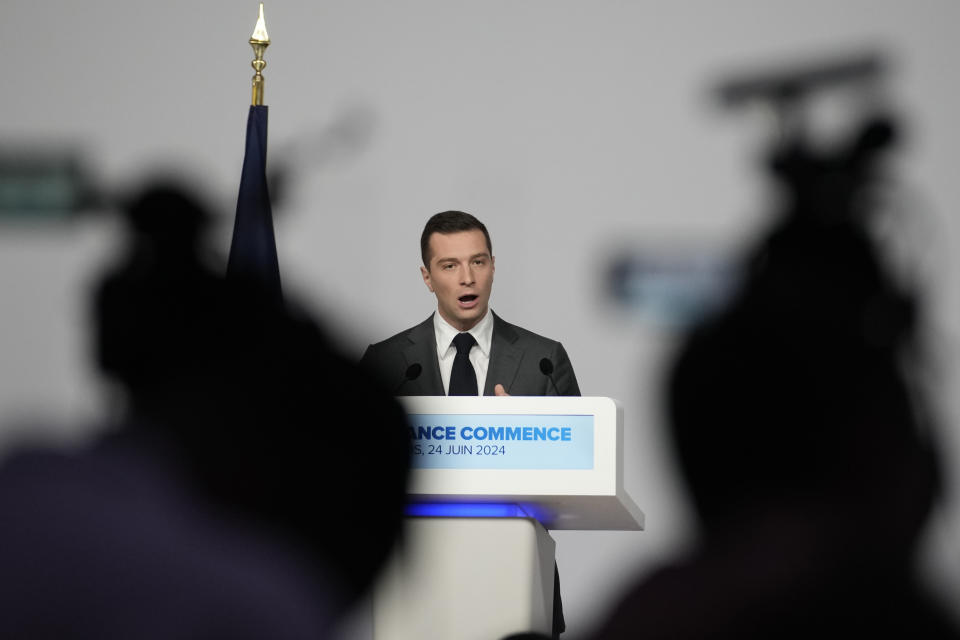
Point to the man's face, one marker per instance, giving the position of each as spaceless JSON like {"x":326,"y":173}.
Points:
{"x":460,"y":275}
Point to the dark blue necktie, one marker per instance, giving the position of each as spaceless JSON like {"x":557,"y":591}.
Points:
{"x":463,"y":379}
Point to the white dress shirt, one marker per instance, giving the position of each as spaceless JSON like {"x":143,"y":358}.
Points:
{"x":482,"y":332}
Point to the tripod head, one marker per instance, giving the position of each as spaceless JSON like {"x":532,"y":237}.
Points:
{"x":822,"y":181}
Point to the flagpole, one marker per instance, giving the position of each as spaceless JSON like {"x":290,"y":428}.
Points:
{"x":253,"y":250}
{"x":259,"y":41}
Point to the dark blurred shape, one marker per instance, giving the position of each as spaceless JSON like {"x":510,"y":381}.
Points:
{"x":676,"y":285}
{"x":791,"y":86}
{"x":349,"y":132}
{"x":231,"y":501}
{"x":253,"y":250}
{"x":43,"y":184}
{"x":805,"y":445}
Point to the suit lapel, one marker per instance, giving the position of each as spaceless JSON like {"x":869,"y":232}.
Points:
{"x":423,"y":349}
{"x":505,"y":357}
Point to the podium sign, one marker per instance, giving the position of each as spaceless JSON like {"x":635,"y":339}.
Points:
{"x":556,"y":459}
{"x":491,"y":441}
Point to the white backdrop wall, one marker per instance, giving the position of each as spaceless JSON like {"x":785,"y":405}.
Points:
{"x":571,"y":128}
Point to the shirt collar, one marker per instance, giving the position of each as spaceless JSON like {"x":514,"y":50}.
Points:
{"x":482,"y":332}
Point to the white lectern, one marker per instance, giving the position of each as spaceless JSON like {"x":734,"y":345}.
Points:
{"x":490,"y":476}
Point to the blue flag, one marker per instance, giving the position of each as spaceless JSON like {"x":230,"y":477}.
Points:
{"x":253,"y":251}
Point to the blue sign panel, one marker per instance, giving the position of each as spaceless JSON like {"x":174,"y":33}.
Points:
{"x":488,"y":441}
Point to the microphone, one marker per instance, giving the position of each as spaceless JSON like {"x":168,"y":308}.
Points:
{"x":412,"y":373}
{"x":546,"y":368}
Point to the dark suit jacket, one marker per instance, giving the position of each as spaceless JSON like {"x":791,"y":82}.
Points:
{"x":515,"y":355}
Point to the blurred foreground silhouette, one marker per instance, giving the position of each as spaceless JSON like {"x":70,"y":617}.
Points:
{"x":230,"y":501}
{"x":807,"y":451}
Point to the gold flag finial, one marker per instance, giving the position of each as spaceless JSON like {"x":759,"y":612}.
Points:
{"x":259,"y":41}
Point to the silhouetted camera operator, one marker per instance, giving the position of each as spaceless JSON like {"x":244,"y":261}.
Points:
{"x":807,"y":455}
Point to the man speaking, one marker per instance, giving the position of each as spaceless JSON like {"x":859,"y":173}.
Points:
{"x":464,"y":348}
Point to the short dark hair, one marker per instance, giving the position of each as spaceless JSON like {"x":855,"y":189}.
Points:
{"x":449,"y":222}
